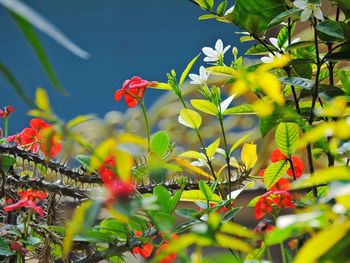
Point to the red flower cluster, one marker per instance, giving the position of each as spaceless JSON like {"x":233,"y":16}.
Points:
{"x":147,"y":249}
{"x":279,"y":199}
{"x":28,"y":200}
{"x":298,"y":164}
{"x":7,"y":111}
{"x":39,"y":136}
{"x":115,"y":186}
{"x":132,"y":90}
{"x":281,"y":184}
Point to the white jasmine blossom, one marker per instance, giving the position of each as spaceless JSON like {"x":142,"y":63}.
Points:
{"x":229,"y":11}
{"x":200,"y":79}
{"x":309,"y":9}
{"x":217,"y":54}
{"x":224,"y":105}
{"x":269,"y":58}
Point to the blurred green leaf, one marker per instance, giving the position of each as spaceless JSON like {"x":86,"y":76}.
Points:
{"x":160,"y":143}
{"x":34,"y":41}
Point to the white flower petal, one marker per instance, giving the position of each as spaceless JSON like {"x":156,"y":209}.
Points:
{"x":302,"y":4}
{"x":266,"y":59}
{"x":224,"y":105}
{"x":219,"y":46}
{"x":208,"y":51}
{"x":274,"y":42}
{"x":225,"y":49}
{"x":228,"y":11}
{"x":318,"y":13}
{"x":295,"y":40}
{"x":305,"y":14}
{"x":209,"y":59}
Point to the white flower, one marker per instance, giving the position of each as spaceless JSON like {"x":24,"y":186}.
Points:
{"x":229,"y":11}
{"x":308,"y":9}
{"x":224,"y":105}
{"x":344,"y":148}
{"x":213,"y":55}
{"x":200,"y":79}
{"x":274,"y":42}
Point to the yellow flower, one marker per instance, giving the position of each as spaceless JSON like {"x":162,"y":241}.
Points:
{"x":249,"y":156}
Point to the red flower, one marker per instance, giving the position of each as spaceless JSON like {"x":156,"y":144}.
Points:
{"x":15,"y":246}
{"x":299,"y":167}
{"x":298,"y":164}
{"x":223,"y":209}
{"x":262,"y":173}
{"x":279,"y":199}
{"x":169,"y":258}
{"x":277,"y":155}
{"x":132,"y":90}
{"x":146,"y":249}
{"x":115,"y":186}
{"x":282,"y":184}
{"x":7,"y":111}
{"x":40,"y":135}
{"x":28,"y":200}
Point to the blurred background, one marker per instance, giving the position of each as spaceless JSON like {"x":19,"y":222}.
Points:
{"x":123,"y":38}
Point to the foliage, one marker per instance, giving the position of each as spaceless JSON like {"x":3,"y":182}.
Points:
{"x":130,"y":191}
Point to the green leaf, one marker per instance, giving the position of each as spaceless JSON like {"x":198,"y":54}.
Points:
{"x":164,"y":221}
{"x":274,"y":172}
{"x":221,"y":7}
{"x":34,"y":41}
{"x":174,"y":201}
{"x":92,"y":237}
{"x":6,"y":161}
{"x":299,"y":82}
{"x":282,"y":36}
{"x":187,"y":70}
{"x":211,"y":149}
{"x":190,"y":118}
{"x":255,"y":15}
{"x":163,"y":197}
{"x":5,"y":249}
{"x":42,"y":100}
{"x":197,"y":195}
{"x":300,"y":44}
{"x":160,"y":143}
{"x":324,"y":176}
{"x":241,"y":109}
{"x":231,"y":214}
{"x":43,"y":25}
{"x":205,"y":106}
{"x":240,"y":141}
{"x":79,"y":120}
{"x":83,"y":219}
{"x":294,"y":12}
{"x":286,"y":137}
{"x":342,"y":55}
{"x":266,"y":124}
{"x":330,"y":30}
{"x":207,"y":16}
{"x":16,"y":86}
{"x":205,"y":189}
{"x":260,"y":49}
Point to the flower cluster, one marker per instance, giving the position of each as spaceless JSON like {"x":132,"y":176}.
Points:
{"x":28,"y":199}
{"x":132,"y":90}
{"x":115,"y":186}
{"x":279,"y":199}
{"x":298,"y":164}
{"x":7,"y":111}
{"x":147,"y":249}
{"x":39,"y":136}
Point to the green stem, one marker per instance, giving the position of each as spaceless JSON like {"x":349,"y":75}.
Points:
{"x":268,"y":252}
{"x":6,"y":124}
{"x":148,"y":134}
{"x":283,"y":253}
{"x":227,"y":153}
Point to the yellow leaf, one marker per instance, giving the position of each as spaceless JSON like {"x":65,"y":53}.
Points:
{"x":195,"y":169}
{"x":249,"y":156}
{"x":211,"y":149}
{"x":187,"y":70}
{"x":239,"y":87}
{"x":276,"y":63}
{"x":192,"y":154}
{"x":320,"y":131}
{"x":322,"y":242}
{"x":161,"y":85}
{"x":190,"y":118}
{"x":80,"y":119}
{"x":75,"y":226}
{"x":197,"y":195}
{"x":124,"y":163}
{"x":262,"y":108}
{"x":223,"y":70}
{"x":42,"y":100}
{"x":132,"y":138}
{"x":236,"y":229}
{"x":232,"y":243}
{"x":270,"y":84}
{"x":102,"y":151}
{"x":205,"y":106}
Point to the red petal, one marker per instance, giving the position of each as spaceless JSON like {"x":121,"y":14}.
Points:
{"x":277,"y":155}
{"x":118,"y":94}
{"x":38,"y":124}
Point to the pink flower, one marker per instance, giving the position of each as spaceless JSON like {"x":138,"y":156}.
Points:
{"x":7,"y":111}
